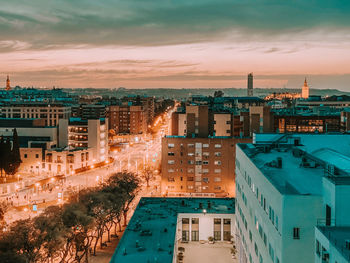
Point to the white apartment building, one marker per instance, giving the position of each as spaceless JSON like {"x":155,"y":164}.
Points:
{"x":50,"y":112}
{"x":280,"y":194}
{"x":332,"y":234}
{"x":93,"y":134}
{"x":67,"y":160}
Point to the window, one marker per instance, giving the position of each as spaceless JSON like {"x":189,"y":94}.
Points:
{"x":205,"y":162}
{"x":205,"y":154}
{"x":171,"y":161}
{"x":217,"y":146}
{"x":190,"y":162}
{"x":171,"y":179}
{"x":296,"y":233}
{"x":190,"y":178}
{"x":318,"y":248}
{"x":217,"y":187}
{"x":205,"y":171}
{"x":217,"y":154}
{"x":171,"y":154}
{"x":205,"y":145}
{"x":190,"y":187}
{"x":171,"y":145}
{"x":37,"y":156}
{"x":190,"y":154}
{"x":217,"y":162}
{"x":217,"y":179}
{"x":25,"y":155}
{"x":217,"y":171}
{"x":190,"y":145}
{"x":190,"y":171}
{"x":206,"y":179}
{"x":217,"y":229}
{"x":198,"y":162}
{"x":170,"y":170}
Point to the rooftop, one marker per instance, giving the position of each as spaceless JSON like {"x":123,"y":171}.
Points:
{"x":291,"y":178}
{"x":337,"y":236}
{"x":153,"y":225}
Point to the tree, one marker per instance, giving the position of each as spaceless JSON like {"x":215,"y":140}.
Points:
{"x":128,"y":185}
{"x":147,"y":174}
{"x":2,"y":155}
{"x":79,"y":238}
{"x":52,"y":232}
{"x":3,"y":210}
{"x":218,"y":93}
{"x":14,"y":160}
{"x":24,"y":239}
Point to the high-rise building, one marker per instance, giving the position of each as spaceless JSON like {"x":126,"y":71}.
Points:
{"x":305,"y":90}
{"x":250,"y":85}
{"x":287,"y":185}
{"x":8,"y":85}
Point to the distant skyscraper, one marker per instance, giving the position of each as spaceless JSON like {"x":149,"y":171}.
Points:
{"x":250,"y":85}
{"x":305,"y":90}
{"x":8,"y":86}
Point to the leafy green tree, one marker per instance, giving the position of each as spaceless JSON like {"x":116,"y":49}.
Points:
{"x":52,"y":232}
{"x":79,"y":238}
{"x":128,"y":184}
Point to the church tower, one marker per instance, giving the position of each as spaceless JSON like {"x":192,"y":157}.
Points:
{"x":8,"y":86}
{"x":305,"y":90}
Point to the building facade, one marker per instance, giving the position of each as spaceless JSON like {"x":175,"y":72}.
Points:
{"x":50,"y":112}
{"x":127,"y":119}
{"x":281,"y":194}
{"x":93,"y":134}
{"x":68,"y":160}
{"x":198,"y":166}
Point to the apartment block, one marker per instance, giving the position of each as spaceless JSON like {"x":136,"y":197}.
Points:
{"x":198,"y":166}
{"x":127,"y":119}
{"x":50,"y":112}
{"x":93,"y":134}
{"x":282,"y":194}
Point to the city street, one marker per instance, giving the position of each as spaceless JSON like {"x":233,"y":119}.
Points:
{"x":42,"y":192}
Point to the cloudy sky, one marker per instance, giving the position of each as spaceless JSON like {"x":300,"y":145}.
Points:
{"x":175,"y":43}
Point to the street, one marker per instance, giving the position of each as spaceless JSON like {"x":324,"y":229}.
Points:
{"x":133,"y":157}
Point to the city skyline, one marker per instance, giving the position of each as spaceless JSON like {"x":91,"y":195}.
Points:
{"x":183,"y":44}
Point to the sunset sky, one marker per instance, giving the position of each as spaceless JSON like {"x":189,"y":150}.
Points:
{"x":175,"y":43}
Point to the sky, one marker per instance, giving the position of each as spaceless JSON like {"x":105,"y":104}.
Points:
{"x":175,"y":43}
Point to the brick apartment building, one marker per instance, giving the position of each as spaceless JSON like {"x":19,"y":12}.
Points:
{"x":127,"y":119}
{"x":198,"y":157}
{"x":199,"y":166}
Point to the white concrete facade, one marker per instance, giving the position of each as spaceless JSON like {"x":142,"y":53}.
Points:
{"x":205,"y":226}
{"x":67,"y":161}
{"x":281,"y":202}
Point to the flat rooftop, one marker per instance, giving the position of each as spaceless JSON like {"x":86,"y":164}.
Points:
{"x":337,"y":236}
{"x":291,"y":178}
{"x":153,"y":225}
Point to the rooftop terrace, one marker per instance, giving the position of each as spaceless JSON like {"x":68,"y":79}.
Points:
{"x":150,"y":235}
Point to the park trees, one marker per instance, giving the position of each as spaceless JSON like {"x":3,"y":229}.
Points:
{"x":69,"y":233}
